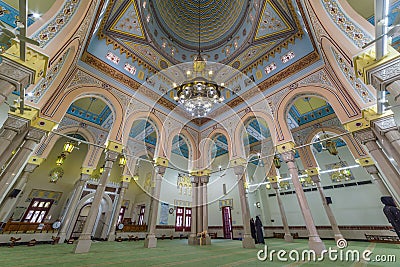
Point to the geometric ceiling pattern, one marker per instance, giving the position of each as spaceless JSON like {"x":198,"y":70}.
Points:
{"x":139,"y":39}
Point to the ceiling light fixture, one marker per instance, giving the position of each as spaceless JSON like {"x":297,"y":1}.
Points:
{"x":198,"y":95}
{"x":328,"y":144}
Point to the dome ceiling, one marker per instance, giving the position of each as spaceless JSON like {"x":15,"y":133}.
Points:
{"x":219,"y":20}
{"x":264,"y":39}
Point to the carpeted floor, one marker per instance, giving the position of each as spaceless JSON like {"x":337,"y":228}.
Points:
{"x":178,"y":253}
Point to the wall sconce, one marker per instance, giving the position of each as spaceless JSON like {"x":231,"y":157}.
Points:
{"x":277,"y":162}
{"x":122,"y":161}
{"x":331,"y":147}
{"x":60,"y":159}
{"x":68,"y":147}
{"x":101,"y":170}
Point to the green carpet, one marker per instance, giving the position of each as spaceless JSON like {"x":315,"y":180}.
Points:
{"x":178,"y":253}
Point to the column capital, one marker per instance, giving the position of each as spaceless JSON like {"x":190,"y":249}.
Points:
{"x":385,"y":72}
{"x":16,"y":74}
{"x":282,"y":148}
{"x":124,"y":184}
{"x":194,"y":179}
{"x":159,"y":161}
{"x":111,"y":155}
{"x":114,"y":146}
{"x":372,"y":71}
{"x":35,"y":160}
{"x":385,"y":124}
{"x":205,"y":172}
{"x":313,"y":171}
{"x":35,"y":135}
{"x":288,"y":156}
{"x":273,"y":179}
{"x":30,"y":167}
{"x":365,"y":135}
{"x":44,"y":124}
{"x":160,"y":169}
{"x":315,"y":178}
{"x":16,"y":123}
{"x":371,"y":169}
{"x":204,"y":179}
{"x":87,"y":170}
{"x":29,"y":115}
{"x":35,"y":62}
{"x":239,"y":170}
{"x":238,"y":162}
{"x":275,"y":186}
{"x":367,"y":116}
{"x":367,"y":161}
{"x":126,"y":178}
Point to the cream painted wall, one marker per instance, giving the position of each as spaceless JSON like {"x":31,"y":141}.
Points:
{"x":39,"y":179}
{"x":356,"y":205}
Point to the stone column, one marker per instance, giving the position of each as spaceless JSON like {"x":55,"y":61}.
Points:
{"x":151,"y":240}
{"x":13,"y":127}
{"x":388,"y":136}
{"x":10,"y":175}
{"x":10,"y":203}
{"x":368,"y":138}
{"x":84,"y":241}
{"x":288,"y":237}
{"x":192,"y":240}
{"x":124,"y":186}
{"x":247,"y":240}
{"x":205,"y":179}
{"x":199,"y":206}
{"x":314,"y":241}
{"x":66,"y":222}
{"x":376,"y":179}
{"x":332,"y":220}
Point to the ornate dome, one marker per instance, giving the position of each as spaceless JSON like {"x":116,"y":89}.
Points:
{"x":220,"y":20}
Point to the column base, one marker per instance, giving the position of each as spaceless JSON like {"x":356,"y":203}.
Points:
{"x":338,"y":237}
{"x":315,"y":243}
{"x":83,"y":246}
{"x":150,"y":241}
{"x":248,"y":242}
{"x":111,"y":237}
{"x":193,"y":240}
{"x":204,"y":241}
{"x":288,"y":238}
{"x":207,"y":240}
{"x":62,"y":237}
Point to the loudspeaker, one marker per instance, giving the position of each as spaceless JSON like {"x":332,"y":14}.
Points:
{"x":328,"y":200}
{"x":14,"y":193}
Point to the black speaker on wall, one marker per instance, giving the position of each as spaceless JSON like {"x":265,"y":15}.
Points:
{"x":14,"y":193}
{"x":328,"y":200}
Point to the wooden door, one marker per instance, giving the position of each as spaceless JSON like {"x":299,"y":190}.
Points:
{"x":227,"y":222}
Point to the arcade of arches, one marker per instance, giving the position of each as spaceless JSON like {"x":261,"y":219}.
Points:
{"x":93,"y":145}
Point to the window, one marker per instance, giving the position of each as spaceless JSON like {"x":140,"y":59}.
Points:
{"x":121,"y":214}
{"x":37,"y":210}
{"x":142,"y":209}
{"x":183,"y":219}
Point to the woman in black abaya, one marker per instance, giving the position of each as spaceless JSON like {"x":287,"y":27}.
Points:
{"x":259,"y":231}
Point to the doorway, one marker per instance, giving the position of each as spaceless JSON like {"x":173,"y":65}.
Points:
{"x":80,"y":221}
{"x":227,"y":222}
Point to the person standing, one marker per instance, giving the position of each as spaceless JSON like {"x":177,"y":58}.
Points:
{"x":259,"y":231}
{"x":392,"y":213}
{"x":253,"y":230}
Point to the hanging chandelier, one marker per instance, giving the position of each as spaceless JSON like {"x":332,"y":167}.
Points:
{"x":198,"y":95}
